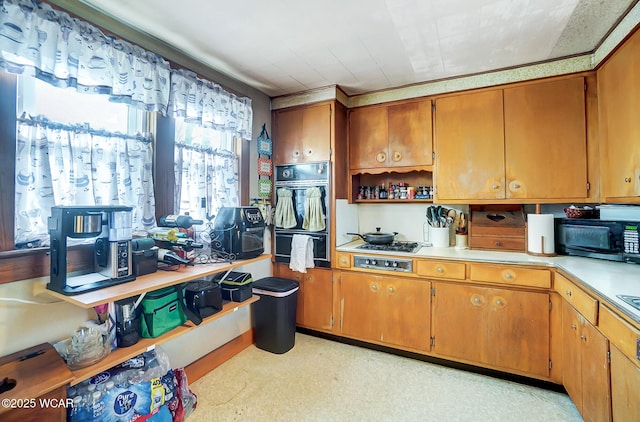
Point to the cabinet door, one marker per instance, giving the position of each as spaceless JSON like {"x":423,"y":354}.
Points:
{"x":619,"y":107}
{"x":316,"y":133}
{"x":571,"y":356}
{"x":518,"y":330}
{"x":625,"y":387}
{"x":545,"y":140}
{"x":585,"y":369}
{"x":317,"y":299}
{"x":406,"y":313}
{"x":287,"y":136}
{"x":410,"y":134}
{"x":368,"y":138}
{"x":596,"y":395}
{"x":469,"y":142}
{"x":360,"y":301}
{"x":460,"y":321}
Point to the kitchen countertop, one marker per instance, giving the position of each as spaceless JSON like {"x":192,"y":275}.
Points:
{"x":605,"y":279}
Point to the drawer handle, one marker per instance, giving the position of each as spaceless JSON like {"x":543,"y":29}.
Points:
{"x":627,"y":179}
{"x":498,"y":244}
{"x":573,"y":326}
{"x":390,"y":289}
{"x":397,"y":156}
{"x":374,"y":287}
{"x":516,"y":186}
{"x":568,"y":292}
{"x":440,"y":270}
{"x":476,"y":299}
{"x":381,"y":157}
{"x":508,"y":276}
{"x":310,"y":278}
{"x":499,"y":302}
{"x":494,"y":186}
{"x":583,"y":338}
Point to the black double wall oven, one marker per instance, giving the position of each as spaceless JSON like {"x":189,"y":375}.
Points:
{"x":303,"y":208}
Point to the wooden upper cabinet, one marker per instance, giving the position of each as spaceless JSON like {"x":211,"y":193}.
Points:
{"x":397,"y":135}
{"x":545,"y":140}
{"x":619,"y":108}
{"x":302,"y":134}
{"x":526,"y":142}
{"x":469,"y":143}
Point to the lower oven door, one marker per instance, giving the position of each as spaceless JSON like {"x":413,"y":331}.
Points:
{"x":320,"y":247}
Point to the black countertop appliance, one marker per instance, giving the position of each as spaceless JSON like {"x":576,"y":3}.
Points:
{"x":238,"y":233}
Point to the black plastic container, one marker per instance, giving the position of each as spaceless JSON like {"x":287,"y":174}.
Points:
{"x":274,"y":315}
{"x":127,"y":322}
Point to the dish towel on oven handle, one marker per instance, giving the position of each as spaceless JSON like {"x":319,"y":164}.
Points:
{"x":285,"y":215}
{"x":313,"y":216}
{"x":301,"y":253}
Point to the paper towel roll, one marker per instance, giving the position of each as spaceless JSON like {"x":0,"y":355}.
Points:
{"x":540,"y":234}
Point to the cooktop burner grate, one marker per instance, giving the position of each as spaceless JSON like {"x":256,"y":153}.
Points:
{"x":397,"y":246}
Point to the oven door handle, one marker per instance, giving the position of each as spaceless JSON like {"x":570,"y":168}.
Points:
{"x":291,"y":235}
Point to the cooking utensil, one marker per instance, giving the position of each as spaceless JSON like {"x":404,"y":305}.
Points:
{"x":377,"y":237}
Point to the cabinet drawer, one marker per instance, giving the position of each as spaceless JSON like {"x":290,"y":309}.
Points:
{"x":441,"y":269}
{"x":496,"y":243}
{"x":583,"y":303}
{"x":510,"y":275}
{"x":344,"y":260}
{"x":620,"y":333}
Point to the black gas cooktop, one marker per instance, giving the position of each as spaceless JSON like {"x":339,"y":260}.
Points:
{"x":397,"y":246}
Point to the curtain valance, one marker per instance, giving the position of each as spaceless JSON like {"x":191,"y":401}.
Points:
{"x":38,"y":41}
{"x":206,"y":103}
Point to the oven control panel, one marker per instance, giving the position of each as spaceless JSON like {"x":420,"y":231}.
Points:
{"x":382,"y":263}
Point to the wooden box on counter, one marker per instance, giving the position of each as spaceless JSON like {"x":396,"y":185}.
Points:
{"x":500,"y":228}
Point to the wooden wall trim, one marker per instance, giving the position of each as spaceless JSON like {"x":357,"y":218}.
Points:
{"x":8,"y":98}
{"x":212,"y":360}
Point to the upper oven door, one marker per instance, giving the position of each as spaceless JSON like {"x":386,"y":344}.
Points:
{"x":301,"y":208}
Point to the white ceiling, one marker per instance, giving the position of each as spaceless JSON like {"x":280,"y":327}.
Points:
{"x":288,"y":46}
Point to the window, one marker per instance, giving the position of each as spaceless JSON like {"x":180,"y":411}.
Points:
{"x":206,"y":170}
{"x":77,"y":149}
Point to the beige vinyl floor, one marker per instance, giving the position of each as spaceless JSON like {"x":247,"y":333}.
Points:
{"x":325,"y":380}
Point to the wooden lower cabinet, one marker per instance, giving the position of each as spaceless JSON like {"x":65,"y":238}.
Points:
{"x":585,"y":365}
{"x":625,"y":387}
{"x":505,"y":329}
{"x":315,"y":296}
{"x":385,"y":310}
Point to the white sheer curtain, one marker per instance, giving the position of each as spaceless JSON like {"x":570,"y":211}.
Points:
{"x":73,"y":165}
{"x":206,"y":171}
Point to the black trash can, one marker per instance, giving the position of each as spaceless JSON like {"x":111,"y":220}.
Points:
{"x":274,"y":315}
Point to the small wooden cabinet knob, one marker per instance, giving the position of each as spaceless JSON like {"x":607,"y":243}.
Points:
{"x":494,"y":186}
{"x":390,"y":289}
{"x":440,"y":270}
{"x":397,"y":156}
{"x":381,"y":157}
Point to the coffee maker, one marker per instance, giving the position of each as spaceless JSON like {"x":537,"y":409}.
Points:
{"x":108,"y":232}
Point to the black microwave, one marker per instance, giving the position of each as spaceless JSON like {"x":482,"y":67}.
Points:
{"x":605,"y":239}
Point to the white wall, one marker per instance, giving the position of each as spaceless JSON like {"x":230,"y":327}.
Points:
{"x":406,"y":219}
